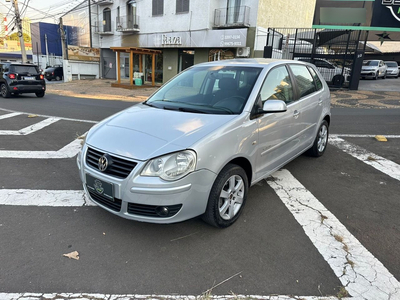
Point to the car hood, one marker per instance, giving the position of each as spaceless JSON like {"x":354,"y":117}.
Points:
{"x":392,"y":68}
{"x":368,"y":68}
{"x":142,"y":132}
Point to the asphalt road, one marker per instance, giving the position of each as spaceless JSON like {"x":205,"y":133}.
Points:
{"x":266,"y":252}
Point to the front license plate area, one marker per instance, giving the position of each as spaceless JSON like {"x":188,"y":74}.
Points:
{"x":100,"y":187}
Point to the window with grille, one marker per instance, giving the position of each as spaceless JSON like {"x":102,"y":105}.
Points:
{"x":158,"y":7}
{"x":182,"y":6}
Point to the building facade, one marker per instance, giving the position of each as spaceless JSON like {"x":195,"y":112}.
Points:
{"x":188,"y":31}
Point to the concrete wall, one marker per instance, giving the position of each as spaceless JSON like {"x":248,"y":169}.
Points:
{"x":76,"y":70}
{"x":170,"y":63}
{"x":286,"y":13}
{"x":201,"y":55}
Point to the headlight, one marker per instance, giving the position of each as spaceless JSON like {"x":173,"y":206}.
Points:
{"x":172,"y":166}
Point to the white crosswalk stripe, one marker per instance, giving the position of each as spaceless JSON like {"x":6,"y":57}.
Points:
{"x":30,"y":129}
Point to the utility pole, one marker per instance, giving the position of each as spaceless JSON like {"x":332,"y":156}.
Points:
{"x":63,"y":43}
{"x":19,"y":26}
{"x":47,"y":50}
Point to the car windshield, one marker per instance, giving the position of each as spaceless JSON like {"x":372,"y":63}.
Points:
{"x":208,"y":90}
{"x":370,"y":63}
{"x":391,"y":64}
{"x":24,"y":69}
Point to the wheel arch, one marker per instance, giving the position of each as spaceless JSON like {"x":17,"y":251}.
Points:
{"x":245,"y":164}
{"x":328,"y":119}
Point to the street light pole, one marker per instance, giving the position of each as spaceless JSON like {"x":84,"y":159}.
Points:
{"x":20,"y":33}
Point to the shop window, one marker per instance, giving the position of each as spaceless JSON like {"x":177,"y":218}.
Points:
{"x":158,"y":7}
{"x":182,"y":6}
{"x":220,"y":54}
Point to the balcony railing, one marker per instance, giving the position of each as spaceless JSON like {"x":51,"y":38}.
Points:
{"x":235,"y":16}
{"x":103,"y":2}
{"x":128,"y":24}
{"x":104,"y":27}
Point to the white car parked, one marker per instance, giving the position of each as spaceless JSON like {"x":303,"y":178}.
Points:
{"x":373,"y":69}
{"x":329,"y":71}
{"x":392,"y":69}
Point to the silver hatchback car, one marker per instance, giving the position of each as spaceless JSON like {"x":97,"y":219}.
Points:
{"x":199,"y":142}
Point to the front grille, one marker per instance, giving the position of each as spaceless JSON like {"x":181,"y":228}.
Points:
{"x":151,"y":210}
{"x":113,"y":205}
{"x":119,"y":168}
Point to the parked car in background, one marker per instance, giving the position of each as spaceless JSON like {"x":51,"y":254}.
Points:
{"x":199,"y":142}
{"x":330,"y":71}
{"x":54,"y":73}
{"x":392,"y":69}
{"x":18,"y":78}
{"x":373,"y":69}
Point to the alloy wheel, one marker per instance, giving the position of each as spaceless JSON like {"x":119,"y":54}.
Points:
{"x":322,"y":138}
{"x":231,"y":197}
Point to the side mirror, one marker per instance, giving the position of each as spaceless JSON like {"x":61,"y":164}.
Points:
{"x":274,"y":106}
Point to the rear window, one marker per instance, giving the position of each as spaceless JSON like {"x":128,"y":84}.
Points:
{"x":24,"y":69}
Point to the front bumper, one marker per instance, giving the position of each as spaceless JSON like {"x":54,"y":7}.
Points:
{"x":143,"y":198}
{"x":368,"y":74}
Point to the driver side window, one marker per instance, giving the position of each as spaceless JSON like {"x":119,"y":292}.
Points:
{"x":277,"y":86}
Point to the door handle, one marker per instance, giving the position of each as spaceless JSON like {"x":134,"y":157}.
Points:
{"x":296,"y":114}
{"x":320,"y":101}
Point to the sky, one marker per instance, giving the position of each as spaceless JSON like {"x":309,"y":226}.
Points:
{"x":38,"y":10}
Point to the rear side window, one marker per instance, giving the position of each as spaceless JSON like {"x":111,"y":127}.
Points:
{"x":303,"y":79}
{"x":24,"y":69}
{"x":318,"y":83}
{"x":277,"y":86}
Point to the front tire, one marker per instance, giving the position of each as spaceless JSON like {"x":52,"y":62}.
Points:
{"x":5,"y":93}
{"x":321,"y":140}
{"x":227,"y":197}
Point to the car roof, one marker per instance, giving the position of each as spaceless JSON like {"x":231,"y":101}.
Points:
{"x":250,"y":62}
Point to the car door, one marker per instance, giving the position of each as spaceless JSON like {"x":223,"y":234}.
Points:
{"x":276,"y":144}
{"x":309,"y":105}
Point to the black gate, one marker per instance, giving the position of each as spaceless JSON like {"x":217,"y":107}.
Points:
{"x":338,"y":54}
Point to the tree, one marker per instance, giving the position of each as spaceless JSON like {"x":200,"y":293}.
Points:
{"x":14,"y":37}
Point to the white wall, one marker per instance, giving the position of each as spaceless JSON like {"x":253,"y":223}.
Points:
{"x":80,"y":70}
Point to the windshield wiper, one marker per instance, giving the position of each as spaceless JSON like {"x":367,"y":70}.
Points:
{"x":192,"y":110}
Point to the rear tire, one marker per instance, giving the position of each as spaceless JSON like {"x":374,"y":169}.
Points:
{"x":40,"y":94}
{"x":321,"y":141}
{"x":58,"y":78}
{"x":227,"y":197}
{"x":338,"y":80}
{"x":5,"y":93}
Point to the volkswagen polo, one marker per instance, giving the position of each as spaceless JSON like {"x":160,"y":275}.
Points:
{"x":197,"y":144}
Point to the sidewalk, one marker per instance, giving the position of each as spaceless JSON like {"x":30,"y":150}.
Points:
{"x":101,"y":89}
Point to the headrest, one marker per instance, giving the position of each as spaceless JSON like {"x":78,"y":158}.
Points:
{"x":227,"y":83}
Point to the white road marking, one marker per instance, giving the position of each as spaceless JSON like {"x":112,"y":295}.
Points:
{"x":54,"y":198}
{"x":87,"y":296}
{"x":378,"y":162}
{"x":389,"y":136}
{"x":14,"y":114}
{"x":68,"y":151}
{"x":47,"y":116}
{"x":30,"y":129}
{"x":363,"y":276}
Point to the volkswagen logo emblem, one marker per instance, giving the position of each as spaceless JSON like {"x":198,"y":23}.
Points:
{"x":103,"y":162}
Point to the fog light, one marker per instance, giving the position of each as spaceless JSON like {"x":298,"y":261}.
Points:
{"x":162,"y":211}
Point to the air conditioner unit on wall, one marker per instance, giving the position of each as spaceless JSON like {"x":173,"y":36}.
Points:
{"x":243,"y":52}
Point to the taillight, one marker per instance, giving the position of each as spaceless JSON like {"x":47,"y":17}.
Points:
{"x":41,"y":76}
{"x":52,"y":73}
{"x":12,"y":76}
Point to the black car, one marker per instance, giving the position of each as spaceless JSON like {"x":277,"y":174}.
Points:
{"x":53,"y":73}
{"x":19,"y":78}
